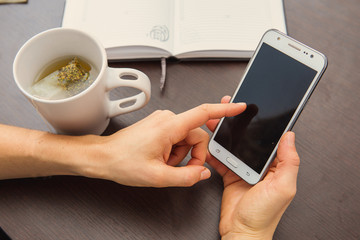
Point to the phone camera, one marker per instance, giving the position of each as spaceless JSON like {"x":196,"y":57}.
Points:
{"x":311,"y":56}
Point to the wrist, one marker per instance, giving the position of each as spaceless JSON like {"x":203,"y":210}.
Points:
{"x":247,"y":233}
{"x":246,"y":236}
{"x":60,"y":154}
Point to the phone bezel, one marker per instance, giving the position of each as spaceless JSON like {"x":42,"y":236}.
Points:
{"x":299,"y":52}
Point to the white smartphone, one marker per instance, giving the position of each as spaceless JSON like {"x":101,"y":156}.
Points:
{"x":277,"y":83}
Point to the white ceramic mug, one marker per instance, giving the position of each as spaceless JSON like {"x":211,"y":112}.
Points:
{"x":89,"y":111}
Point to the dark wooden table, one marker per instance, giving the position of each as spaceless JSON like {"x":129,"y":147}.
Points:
{"x":326,"y":206}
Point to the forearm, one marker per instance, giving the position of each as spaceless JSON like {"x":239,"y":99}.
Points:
{"x":31,"y":153}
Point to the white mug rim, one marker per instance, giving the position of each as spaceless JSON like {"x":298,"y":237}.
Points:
{"x":72,"y":98}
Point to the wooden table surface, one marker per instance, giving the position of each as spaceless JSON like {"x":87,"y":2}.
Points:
{"x":327,"y":203}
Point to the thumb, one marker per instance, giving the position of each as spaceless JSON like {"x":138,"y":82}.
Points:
{"x":185,"y":176}
{"x":288,"y":160}
{"x":287,"y":151}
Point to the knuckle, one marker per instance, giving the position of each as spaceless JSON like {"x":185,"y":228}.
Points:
{"x":288,"y":192}
{"x":188,"y":180}
{"x":297,"y":159}
{"x":294,"y":159}
{"x":291,"y":193}
{"x":205,"y":135}
{"x":157,"y":112}
{"x":204,"y":107}
{"x":163,"y":113}
{"x":157,"y":179}
{"x":202,"y":136}
{"x":167,"y":113}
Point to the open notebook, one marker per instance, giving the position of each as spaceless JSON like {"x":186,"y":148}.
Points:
{"x":185,"y":29}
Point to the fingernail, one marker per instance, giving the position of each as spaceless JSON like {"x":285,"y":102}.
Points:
{"x":290,"y":139}
{"x":226,"y":97}
{"x":205,"y":174}
{"x":241,"y":103}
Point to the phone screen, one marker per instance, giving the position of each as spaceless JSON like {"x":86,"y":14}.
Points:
{"x":273,"y":88}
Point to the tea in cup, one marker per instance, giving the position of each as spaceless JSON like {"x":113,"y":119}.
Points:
{"x":64,"y":74}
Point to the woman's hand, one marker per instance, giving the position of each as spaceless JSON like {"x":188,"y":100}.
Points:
{"x":144,"y":154}
{"x":253,"y":212}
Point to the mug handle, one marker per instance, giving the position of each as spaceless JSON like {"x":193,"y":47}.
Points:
{"x":142,"y":82}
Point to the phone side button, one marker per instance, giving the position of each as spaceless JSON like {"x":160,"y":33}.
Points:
{"x":232,"y":162}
